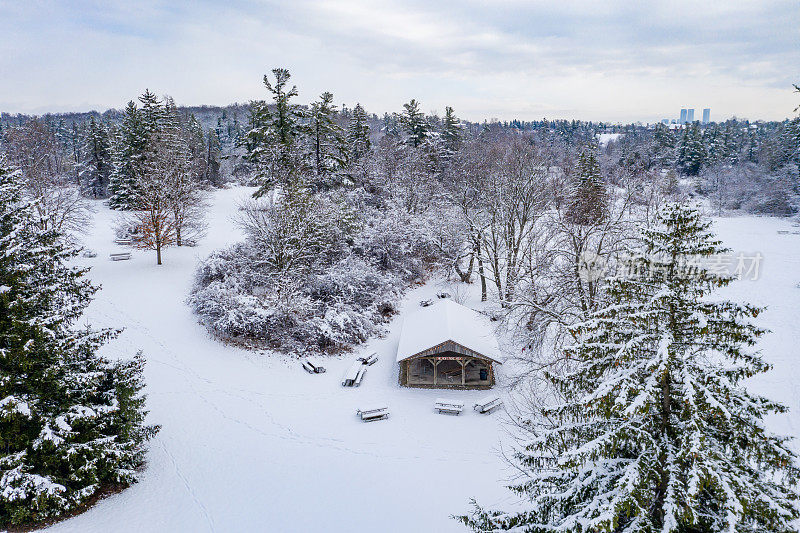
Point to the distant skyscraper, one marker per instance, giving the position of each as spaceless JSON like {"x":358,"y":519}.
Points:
{"x":683,"y":116}
{"x":706,"y":115}
{"x":690,"y":115}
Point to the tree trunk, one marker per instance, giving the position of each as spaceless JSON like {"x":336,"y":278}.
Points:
{"x":158,"y":253}
{"x":481,"y":272}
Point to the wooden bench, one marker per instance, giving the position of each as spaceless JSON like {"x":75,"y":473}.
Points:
{"x":121,"y":256}
{"x":89,"y":253}
{"x":311,"y":368}
{"x":369,"y":360}
{"x":488,"y":404}
{"x":352,"y":374}
{"x":451,"y":407}
{"x":123,"y":241}
{"x":373,"y":413}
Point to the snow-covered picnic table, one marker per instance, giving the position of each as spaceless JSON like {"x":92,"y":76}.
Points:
{"x":375,"y":412}
{"x":351,"y":375}
{"x":446,"y":405}
{"x":488,"y":404}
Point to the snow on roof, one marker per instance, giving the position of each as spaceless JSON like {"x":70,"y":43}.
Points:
{"x":446,"y":321}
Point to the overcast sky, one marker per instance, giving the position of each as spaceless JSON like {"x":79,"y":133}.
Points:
{"x":617,"y":61}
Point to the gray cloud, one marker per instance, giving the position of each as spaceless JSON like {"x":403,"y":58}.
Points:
{"x":614,"y":60}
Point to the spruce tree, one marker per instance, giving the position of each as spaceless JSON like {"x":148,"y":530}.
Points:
{"x":414,"y":123}
{"x":588,"y":198}
{"x":358,"y":134}
{"x":72,"y":422}
{"x":127,"y":156}
{"x":96,"y":166}
{"x":655,"y":430}
{"x":691,"y":150}
{"x":213,"y":149}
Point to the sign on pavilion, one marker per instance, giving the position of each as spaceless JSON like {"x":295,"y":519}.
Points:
{"x":449,"y":346}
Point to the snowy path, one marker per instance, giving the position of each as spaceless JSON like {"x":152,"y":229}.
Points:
{"x":253,"y":443}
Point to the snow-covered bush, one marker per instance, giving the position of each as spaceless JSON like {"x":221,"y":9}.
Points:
{"x":314,"y":271}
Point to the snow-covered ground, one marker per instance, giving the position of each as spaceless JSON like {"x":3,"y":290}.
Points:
{"x":251,"y":442}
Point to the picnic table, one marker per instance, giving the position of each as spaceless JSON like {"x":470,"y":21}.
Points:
{"x":311,"y":368}
{"x":373,"y":413}
{"x":488,"y":404}
{"x":369,"y":360}
{"x":448,"y":406}
{"x":352,"y":374}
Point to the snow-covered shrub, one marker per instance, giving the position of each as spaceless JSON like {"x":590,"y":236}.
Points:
{"x":315,"y":271}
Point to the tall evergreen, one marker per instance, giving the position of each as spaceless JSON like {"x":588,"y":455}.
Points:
{"x":96,"y":167}
{"x":691,"y":150}
{"x":329,"y":147}
{"x":654,"y":429}
{"x":588,"y":198}
{"x":72,"y":421}
{"x":451,"y":131}
{"x":414,"y":124}
{"x":213,"y":149}
{"x":127,"y":155}
{"x":358,"y":134}
{"x":275,"y":130}
{"x":152,"y":112}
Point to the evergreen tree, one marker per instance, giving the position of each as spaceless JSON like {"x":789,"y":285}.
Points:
{"x":655,"y":430}
{"x":329,"y":148}
{"x":96,"y":165}
{"x":275,"y":130}
{"x":127,"y":156}
{"x":212,"y":158}
{"x":691,"y":150}
{"x":152,"y":113}
{"x":358,"y":135}
{"x":414,"y":123}
{"x":588,"y":198}
{"x":72,"y":421}
{"x":451,"y":131}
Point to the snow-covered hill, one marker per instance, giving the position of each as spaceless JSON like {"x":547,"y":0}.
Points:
{"x":253,"y":443}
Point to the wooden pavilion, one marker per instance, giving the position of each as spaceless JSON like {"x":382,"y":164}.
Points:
{"x":447,"y":346}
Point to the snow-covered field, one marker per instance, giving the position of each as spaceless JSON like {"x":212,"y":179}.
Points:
{"x":251,"y":442}
{"x":254,"y":443}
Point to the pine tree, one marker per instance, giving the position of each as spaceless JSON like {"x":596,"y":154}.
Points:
{"x":275,"y":131}
{"x":96,"y":166}
{"x":72,"y":421}
{"x":588,"y":198}
{"x":329,"y":149}
{"x":414,"y":123}
{"x":655,"y":430}
{"x":358,"y":134}
{"x":451,"y":131}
